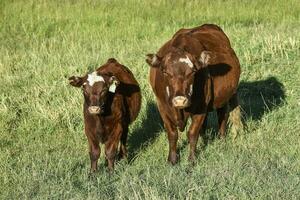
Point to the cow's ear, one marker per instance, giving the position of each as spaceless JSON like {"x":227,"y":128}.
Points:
{"x":76,"y":81}
{"x":153,"y":60}
{"x":113,"y":83}
{"x":206,"y":58}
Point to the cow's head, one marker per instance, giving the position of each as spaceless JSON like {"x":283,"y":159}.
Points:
{"x":179,"y":68}
{"x":95,"y":89}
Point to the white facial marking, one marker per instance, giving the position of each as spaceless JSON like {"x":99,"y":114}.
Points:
{"x":168,"y":91}
{"x":93,"y":78}
{"x":191,"y":89}
{"x":187,"y":61}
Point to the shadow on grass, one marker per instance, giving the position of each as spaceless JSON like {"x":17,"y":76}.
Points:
{"x":147,"y":131}
{"x":258,"y":97}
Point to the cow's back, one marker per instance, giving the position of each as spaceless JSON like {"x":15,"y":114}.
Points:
{"x":225,"y":66}
{"x":128,"y":87}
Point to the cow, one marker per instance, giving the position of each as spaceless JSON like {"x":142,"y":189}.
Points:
{"x":112,"y":100}
{"x":193,"y":73}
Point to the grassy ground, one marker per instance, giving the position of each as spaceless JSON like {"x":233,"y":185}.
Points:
{"x":43,"y":151}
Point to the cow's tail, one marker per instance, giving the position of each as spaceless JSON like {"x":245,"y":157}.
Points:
{"x":236,"y":121}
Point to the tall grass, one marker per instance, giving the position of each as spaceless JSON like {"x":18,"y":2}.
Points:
{"x":43,"y":148}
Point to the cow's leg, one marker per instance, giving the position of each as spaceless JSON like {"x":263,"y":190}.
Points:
{"x":94,"y":151}
{"x":173,"y":138}
{"x":203,"y":129}
{"x":233,"y":101}
{"x":222,"y":119}
{"x":193,"y":134}
{"x":204,"y":126}
{"x":172,"y":134}
{"x":111,"y":146}
{"x":123,"y":149}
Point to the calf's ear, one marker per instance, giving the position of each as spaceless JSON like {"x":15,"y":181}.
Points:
{"x":113,"y":83}
{"x":153,"y":60}
{"x":114,"y":80}
{"x":76,"y":81}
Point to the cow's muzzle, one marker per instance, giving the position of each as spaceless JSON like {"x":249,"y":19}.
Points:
{"x":94,"y":110}
{"x":180,"y":102}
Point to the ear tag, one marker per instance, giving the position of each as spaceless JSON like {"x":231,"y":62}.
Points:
{"x":112,"y":87}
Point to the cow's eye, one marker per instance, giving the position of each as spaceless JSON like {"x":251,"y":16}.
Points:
{"x":167,"y":74}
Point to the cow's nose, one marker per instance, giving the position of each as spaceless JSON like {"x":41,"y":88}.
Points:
{"x":94,"y":109}
{"x":180,"y":102}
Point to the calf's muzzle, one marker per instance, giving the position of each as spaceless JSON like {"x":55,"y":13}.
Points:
{"x":94,"y":109}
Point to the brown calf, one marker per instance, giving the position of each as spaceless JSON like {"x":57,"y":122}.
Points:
{"x":112,"y":100}
{"x":193,"y":73}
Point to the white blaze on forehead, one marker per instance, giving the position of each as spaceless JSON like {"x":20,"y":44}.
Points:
{"x":93,"y":78}
{"x":168,"y":91}
{"x":187,"y":61}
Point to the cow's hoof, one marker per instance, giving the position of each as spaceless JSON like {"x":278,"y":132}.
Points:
{"x":173,"y":158}
{"x":222,"y":136}
{"x":92,"y":174}
{"x":121,"y":156}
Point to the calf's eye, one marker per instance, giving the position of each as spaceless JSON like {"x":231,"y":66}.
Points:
{"x":103,"y":92}
{"x":84,"y":91}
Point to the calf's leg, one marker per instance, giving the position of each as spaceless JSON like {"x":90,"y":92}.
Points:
{"x":123,"y":149}
{"x":111,"y":146}
{"x":94,"y":151}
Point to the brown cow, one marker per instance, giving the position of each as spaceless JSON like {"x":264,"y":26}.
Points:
{"x":112,"y":100}
{"x":193,"y":73}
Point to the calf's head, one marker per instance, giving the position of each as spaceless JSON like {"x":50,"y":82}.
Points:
{"x":95,"y":89}
{"x":178,"y":69}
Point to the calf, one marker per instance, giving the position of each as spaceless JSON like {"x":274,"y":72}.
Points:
{"x":193,"y":73}
{"x":112,"y":100}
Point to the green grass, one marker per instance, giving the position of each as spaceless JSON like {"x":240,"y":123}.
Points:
{"x":43,"y":151}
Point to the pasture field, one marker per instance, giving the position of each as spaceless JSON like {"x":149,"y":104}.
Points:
{"x":43,"y":151}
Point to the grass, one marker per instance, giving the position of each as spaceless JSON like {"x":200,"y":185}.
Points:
{"x":43,"y":148}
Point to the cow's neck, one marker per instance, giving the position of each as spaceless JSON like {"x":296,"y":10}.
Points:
{"x":179,"y":118}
